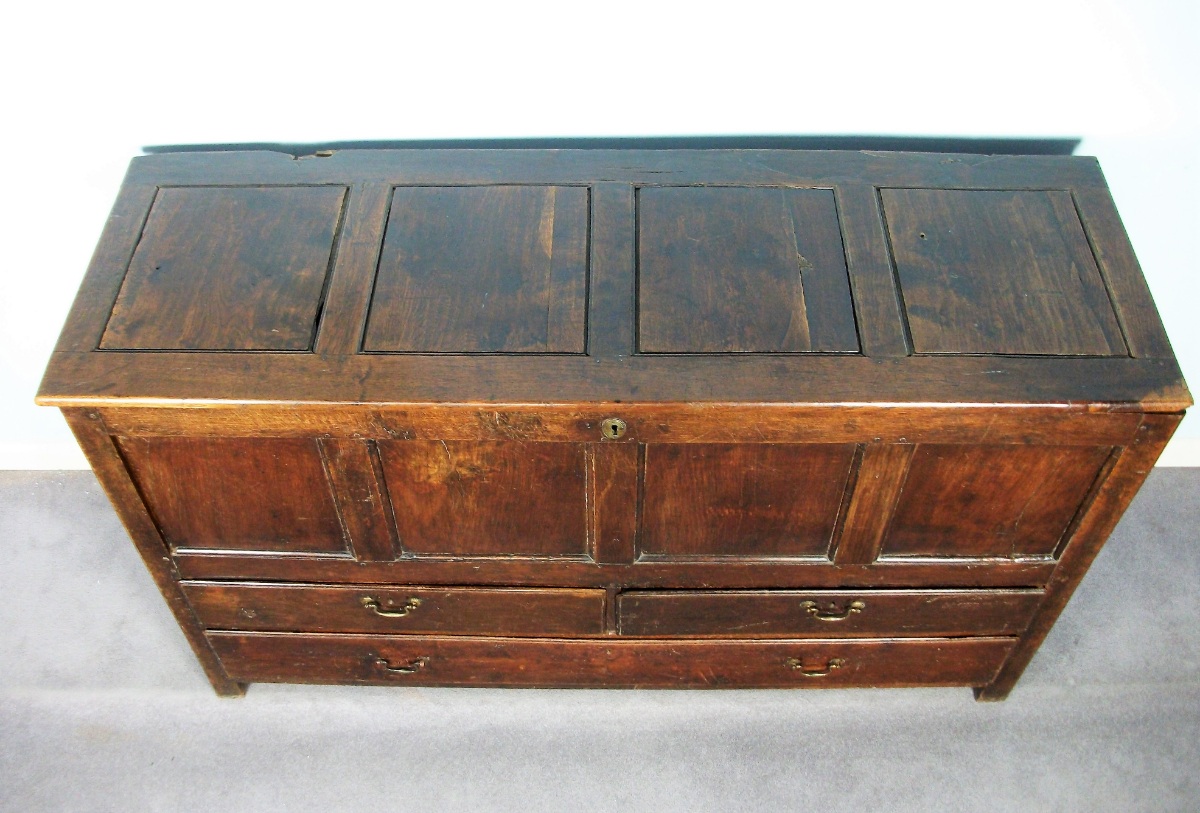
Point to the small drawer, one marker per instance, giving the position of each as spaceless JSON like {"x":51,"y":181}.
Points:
{"x":399,"y":610}
{"x":825,"y":613}
{"x":465,"y":661}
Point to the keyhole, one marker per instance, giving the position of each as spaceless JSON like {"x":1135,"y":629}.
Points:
{"x":614,"y":428}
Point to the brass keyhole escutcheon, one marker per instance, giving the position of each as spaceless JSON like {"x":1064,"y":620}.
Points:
{"x":612,"y":428}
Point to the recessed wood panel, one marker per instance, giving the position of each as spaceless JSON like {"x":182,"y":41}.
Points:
{"x":990,"y":501}
{"x":741,"y":270}
{"x":998,"y":272}
{"x":742,"y":500}
{"x":238,"y":494}
{"x":228,"y":268}
{"x":487,"y":269}
{"x":488,"y":499}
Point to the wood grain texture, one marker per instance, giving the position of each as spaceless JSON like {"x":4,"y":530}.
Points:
{"x":1088,"y":536}
{"x":499,"y":269}
{"x":1001,"y":272}
{"x":448,"y":661}
{"x":353,"y":275}
{"x":436,"y":610}
{"x":742,"y":500}
{"x":255,"y":495}
{"x":724,"y":573}
{"x":612,"y":299}
{"x":749,"y":270}
{"x":228,"y":268}
{"x":110,"y":470}
{"x":614,"y":502}
{"x":177,"y":379}
{"x":681,"y":423}
{"x":985,"y":500}
{"x":826,"y":614}
{"x":432,"y":468}
{"x":488,"y":499}
{"x":362,"y":504}
{"x":85,"y":324}
{"x":877,"y":485}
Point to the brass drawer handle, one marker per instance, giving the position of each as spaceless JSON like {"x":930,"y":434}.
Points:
{"x":830,"y":665}
{"x":377,"y":606}
{"x":816,"y":612}
{"x":414,"y":665}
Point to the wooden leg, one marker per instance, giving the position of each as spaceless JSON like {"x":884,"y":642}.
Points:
{"x":110,"y":469}
{"x":1123,"y":481}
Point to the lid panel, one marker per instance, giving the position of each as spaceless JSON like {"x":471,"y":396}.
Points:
{"x":741,"y":270}
{"x":484,"y":269}
{"x":228,"y":268}
{"x":998,"y":272}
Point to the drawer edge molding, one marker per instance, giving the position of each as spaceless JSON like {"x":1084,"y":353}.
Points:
{"x":567,"y":663}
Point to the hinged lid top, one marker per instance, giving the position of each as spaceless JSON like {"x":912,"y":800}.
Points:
{"x":556,"y":276}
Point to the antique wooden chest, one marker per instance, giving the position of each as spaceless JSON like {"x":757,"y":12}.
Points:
{"x":616,"y":418}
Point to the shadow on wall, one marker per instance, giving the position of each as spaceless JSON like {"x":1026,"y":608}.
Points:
{"x":976,"y":146}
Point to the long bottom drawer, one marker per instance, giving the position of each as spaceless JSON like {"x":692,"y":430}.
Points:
{"x":468,"y":661}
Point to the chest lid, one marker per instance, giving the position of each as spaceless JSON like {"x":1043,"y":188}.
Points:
{"x":554,"y":276}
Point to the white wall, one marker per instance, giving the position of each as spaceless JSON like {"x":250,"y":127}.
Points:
{"x":86,"y":87}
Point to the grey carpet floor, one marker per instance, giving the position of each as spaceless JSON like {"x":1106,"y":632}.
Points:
{"x":102,"y":707}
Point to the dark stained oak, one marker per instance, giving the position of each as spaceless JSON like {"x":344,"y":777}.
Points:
{"x":742,"y":500}
{"x":1004,"y":272}
{"x":230,"y":494}
{"x":97,"y":444}
{"x":878,"y":481}
{"x":841,"y":613}
{"x":744,"y":418}
{"x":749,"y":270}
{"x":228,"y":268}
{"x":488,"y":499}
{"x":984,"y":500}
{"x":364,"y":509}
{"x":397,"y":610}
{"x":453,"y":661}
{"x":499,"y":269}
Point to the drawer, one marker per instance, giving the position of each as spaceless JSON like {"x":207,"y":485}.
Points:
{"x":398,"y":610}
{"x":825,"y":613}
{"x":533,"y":662}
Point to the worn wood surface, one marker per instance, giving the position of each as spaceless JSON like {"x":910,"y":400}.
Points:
{"x":260,"y":495}
{"x":460,"y":498}
{"x":542,"y":266}
{"x":110,"y":470}
{"x":228,"y":268}
{"x":452,"y":661}
{"x":990,"y":501}
{"x":890,"y":395}
{"x":482,"y":270}
{"x":1087,"y":537}
{"x":716,"y":572}
{"x":743,"y":500}
{"x":825,"y":614}
{"x":396,"y":609}
{"x":741,"y":270}
{"x":1006,"y":272}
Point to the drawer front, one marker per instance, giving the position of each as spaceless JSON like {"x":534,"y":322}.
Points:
{"x":447,"y":661}
{"x":398,"y":610}
{"x":825,"y":613}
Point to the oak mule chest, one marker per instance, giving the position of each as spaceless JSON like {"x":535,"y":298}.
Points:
{"x":616,"y":418}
